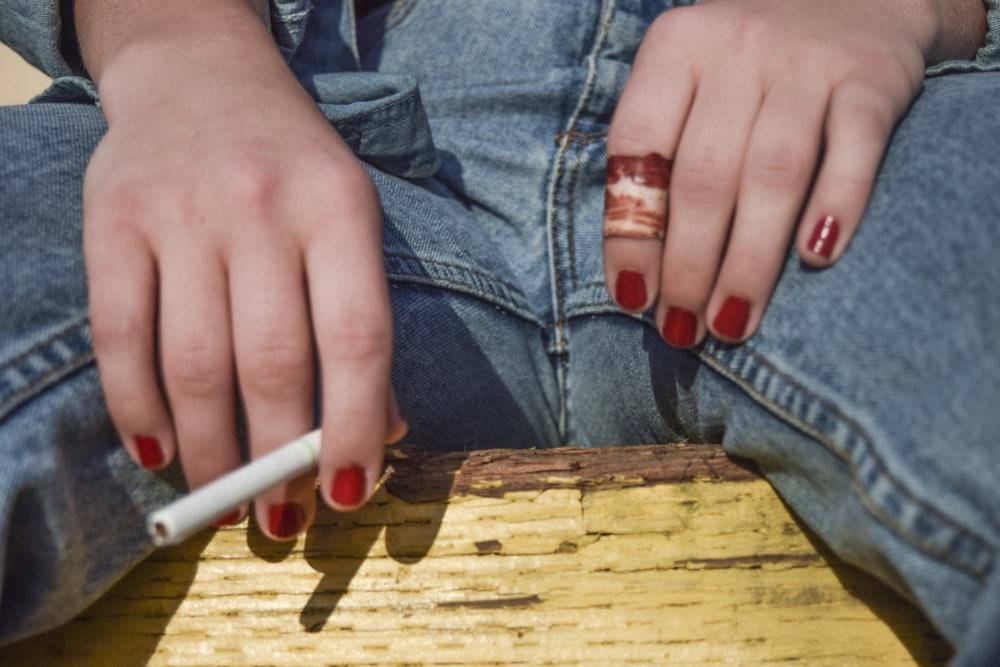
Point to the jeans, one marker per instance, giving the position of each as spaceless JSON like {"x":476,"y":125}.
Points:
{"x":868,"y":396}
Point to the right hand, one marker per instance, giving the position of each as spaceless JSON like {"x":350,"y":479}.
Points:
{"x":229,"y":233}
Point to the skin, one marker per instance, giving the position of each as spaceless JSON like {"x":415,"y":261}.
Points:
{"x":231,"y":236}
{"x":248,"y":233}
{"x":776,"y":114}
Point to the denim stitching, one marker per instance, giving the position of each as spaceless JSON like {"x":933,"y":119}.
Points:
{"x":564,"y":139}
{"x":63,"y":353}
{"x":461,"y":279}
{"x":581,"y":138}
{"x":756,"y":375}
{"x":398,"y":14}
{"x":485,"y":277}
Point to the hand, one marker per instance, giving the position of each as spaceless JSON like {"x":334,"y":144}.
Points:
{"x":775,"y":115}
{"x":222,"y":208}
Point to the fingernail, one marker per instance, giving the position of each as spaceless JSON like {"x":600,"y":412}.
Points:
{"x":824,"y":237}
{"x":286,"y":519}
{"x":630,"y":290}
{"x":230,"y":519}
{"x":150,"y":453}
{"x":349,"y":486}
{"x":680,"y":327}
{"x":731,"y":320}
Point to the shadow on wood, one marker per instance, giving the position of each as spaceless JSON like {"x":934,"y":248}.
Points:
{"x":638,"y":555}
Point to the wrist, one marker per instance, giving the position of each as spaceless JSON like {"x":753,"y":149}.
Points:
{"x":961,"y":30}
{"x":147,"y":52}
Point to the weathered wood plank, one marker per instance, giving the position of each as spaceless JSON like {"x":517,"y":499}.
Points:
{"x":640,"y":555}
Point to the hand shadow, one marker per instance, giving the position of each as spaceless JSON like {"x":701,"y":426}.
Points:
{"x":339,"y":544}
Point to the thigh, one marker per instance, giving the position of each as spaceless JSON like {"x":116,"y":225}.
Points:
{"x":71,"y":502}
{"x":888,"y":360}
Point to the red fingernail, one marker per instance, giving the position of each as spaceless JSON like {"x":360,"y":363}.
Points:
{"x":349,"y":486}
{"x":150,"y":453}
{"x":731,"y":321}
{"x":229,"y":519}
{"x":286,"y":519}
{"x":630,"y":290}
{"x":824,"y":237}
{"x":680,"y":327}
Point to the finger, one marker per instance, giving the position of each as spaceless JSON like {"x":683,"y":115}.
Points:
{"x":274,"y":361}
{"x":197,"y":361}
{"x":353,"y":328}
{"x":706,"y":177}
{"x":778,"y":170}
{"x":859,"y":123}
{"x":642,"y":137}
{"x":635,"y":221}
{"x":122,"y":284}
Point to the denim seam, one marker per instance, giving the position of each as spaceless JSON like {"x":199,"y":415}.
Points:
{"x":581,"y":138}
{"x":460,"y":278}
{"x":979,"y":556}
{"x":398,"y":14}
{"x":385,"y":107}
{"x":606,"y":14}
{"x":59,"y":355}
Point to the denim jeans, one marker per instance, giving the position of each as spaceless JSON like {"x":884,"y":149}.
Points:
{"x":868,"y":396}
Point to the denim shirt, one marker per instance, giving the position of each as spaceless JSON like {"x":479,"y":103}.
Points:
{"x":35,"y":29}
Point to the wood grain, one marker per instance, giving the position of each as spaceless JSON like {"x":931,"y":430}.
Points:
{"x":642,"y":555}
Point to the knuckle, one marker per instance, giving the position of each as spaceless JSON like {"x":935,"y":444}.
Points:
{"x":275,"y":369}
{"x":114,"y":208}
{"x":779,"y":167}
{"x":109,"y":329}
{"x":197,"y":371}
{"x":251,"y":186}
{"x":359,"y":337}
{"x":870,"y":117}
{"x":752,"y":31}
{"x":704,"y":180}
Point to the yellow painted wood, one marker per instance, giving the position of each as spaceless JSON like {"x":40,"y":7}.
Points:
{"x":701,"y":572}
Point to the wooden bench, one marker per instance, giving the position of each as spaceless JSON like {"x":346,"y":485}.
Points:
{"x":646,"y":555}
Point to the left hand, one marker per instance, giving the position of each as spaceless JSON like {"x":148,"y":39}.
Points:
{"x":775,"y":115}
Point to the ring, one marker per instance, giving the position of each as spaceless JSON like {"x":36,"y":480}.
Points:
{"x":635,"y":204}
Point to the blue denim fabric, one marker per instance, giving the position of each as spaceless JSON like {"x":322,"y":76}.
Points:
{"x":867,"y":396}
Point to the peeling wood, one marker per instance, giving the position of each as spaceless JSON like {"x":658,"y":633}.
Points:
{"x":571,"y":557}
{"x":419,"y":477}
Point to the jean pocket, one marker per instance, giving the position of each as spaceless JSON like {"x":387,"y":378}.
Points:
{"x":381,"y":118}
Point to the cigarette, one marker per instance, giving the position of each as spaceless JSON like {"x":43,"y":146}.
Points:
{"x":186,"y":516}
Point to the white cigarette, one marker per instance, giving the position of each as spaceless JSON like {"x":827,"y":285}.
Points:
{"x":184,"y":517}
